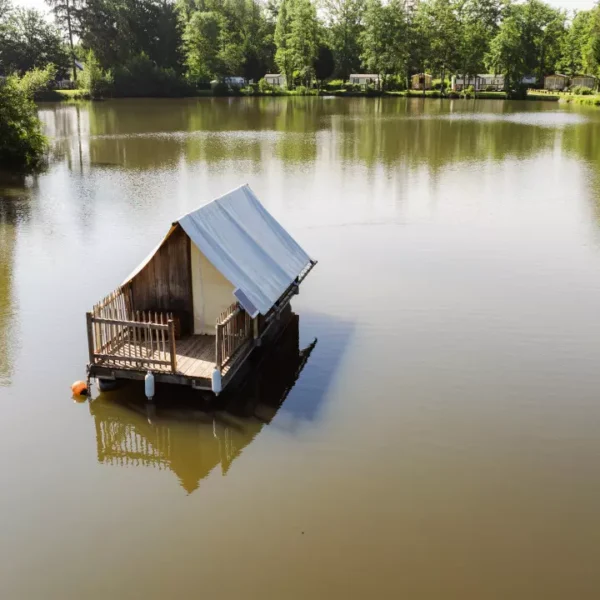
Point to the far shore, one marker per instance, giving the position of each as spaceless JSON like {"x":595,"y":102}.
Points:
{"x":78,"y":95}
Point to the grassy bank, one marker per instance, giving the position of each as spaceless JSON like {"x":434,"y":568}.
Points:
{"x":591,"y":100}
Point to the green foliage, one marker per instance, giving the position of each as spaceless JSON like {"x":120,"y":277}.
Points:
{"x":529,"y":40}
{"x":296,"y":39}
{"x":345,"y":21}
{"x":22,"y":144}
{"x":384,"y":39}
{"x":140,"y":76}
{"x":28,"y":41}
{"x":38,"y":81}
{"x":94,"y":79}
{"x":468,"y":92}
{"x":324,"y":64}
{"x":582,"y":90}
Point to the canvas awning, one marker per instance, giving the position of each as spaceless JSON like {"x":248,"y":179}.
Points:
{"x":247,"y":245}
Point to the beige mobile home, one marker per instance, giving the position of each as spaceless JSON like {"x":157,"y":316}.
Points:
{"x":556,"y":82}
{"x":588,"y":81}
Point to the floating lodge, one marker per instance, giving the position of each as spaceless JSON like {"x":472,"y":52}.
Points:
{"x":194,"y":310}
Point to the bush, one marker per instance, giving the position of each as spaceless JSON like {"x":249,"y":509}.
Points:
{"x":38,"y":81}
{"x":220,"y":89}
{"x":469,"y":92}
{"x":334,"y":85}
{"x":22,"y":144}
{"x":582,"y":90}
{"x":142,"y":77}
{"x":265,"y":87}
{"x":519,"y":92}
{"x":436,"y":84}
{"x":453,"y":95}
{"x":99,"y":83}
{"x":301,"y":90}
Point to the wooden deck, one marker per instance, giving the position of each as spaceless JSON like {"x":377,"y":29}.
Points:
{"x":195,"y":357}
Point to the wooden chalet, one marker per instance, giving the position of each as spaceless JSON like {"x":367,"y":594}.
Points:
{"x":194,"y":310}
{"x":421,"y":81}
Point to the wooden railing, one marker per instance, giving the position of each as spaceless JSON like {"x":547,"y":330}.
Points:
{"x":234,"y":329}
{"x":118,"y":338}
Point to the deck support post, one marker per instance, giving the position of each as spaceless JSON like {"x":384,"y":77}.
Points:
{"x":90,"y":336}
{"x":173,"y":350}
{"x":218,"y":344}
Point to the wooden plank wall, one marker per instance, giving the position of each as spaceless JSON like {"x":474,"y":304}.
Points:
{"x":165,"y":283}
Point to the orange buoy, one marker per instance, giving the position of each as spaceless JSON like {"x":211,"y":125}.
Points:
{"x":79,"y":388}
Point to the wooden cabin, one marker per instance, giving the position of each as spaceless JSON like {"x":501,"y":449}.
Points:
{"x":556,"y":82}
{"x":421,"y":81}
{"x":588,"y":81}
{"x":213,"y":289}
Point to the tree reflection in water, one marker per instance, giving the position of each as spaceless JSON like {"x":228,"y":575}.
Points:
{"x":171,"y":433}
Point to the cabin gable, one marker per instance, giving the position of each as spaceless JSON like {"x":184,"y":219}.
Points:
{"x":165,"y":282}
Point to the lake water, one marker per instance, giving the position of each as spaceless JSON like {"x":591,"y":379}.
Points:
{"x":443,"y":437}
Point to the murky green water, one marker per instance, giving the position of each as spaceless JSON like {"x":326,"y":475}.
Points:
{"x":441,"y":439}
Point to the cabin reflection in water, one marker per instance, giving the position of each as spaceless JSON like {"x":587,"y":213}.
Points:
{"x":189,"y":442}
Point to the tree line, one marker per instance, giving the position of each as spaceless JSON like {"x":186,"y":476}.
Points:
{"x":159,"y":47}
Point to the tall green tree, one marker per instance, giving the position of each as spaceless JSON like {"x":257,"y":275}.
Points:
{"x":528,"y":41}
{"x":284,"y":54}
{"x":345,"y":23}
{"x":65,"y":14}
{"x":385,"y":38}
{"x":440,"y":18}
{"x":201,"y":42}
{"x":27,"y":41}
{"x":304,"y":38}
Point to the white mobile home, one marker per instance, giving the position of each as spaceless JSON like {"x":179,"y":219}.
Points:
{"x":276,"y":79}
{"x":481,"y":83}
{"x":365,"y":79}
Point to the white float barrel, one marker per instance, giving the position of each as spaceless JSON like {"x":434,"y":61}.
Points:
{"x":149,"y":385}
{"x":216,"y":381}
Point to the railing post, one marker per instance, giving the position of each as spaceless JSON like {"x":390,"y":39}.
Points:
{"x":218,"y":337}
{"x":256,"y":331}
{"x":90,"y":336}
{"x":173,"y":350}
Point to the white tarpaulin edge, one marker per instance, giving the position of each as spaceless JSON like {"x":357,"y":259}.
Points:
{"x":247,"y":245}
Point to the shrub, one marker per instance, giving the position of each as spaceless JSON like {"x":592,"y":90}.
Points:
{"x":220,"y":88}
{"x":265,"y":87}
{"x":38,"y":81}
{"x":301,"y":90}
{"x":436,"y":84}
{"x":97,"y":81}
{"x":141,"y":76}
{"x":469,"y":92}
{"x":334,"y":85}
{"x":453,"y":95}
{"x":22,"y":144}
{"x":582,"y":90}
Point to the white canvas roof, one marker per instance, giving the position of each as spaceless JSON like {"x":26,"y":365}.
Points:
{"x":247,"y":245}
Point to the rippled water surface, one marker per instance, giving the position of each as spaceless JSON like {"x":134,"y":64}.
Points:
{"x":440,"y":440}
